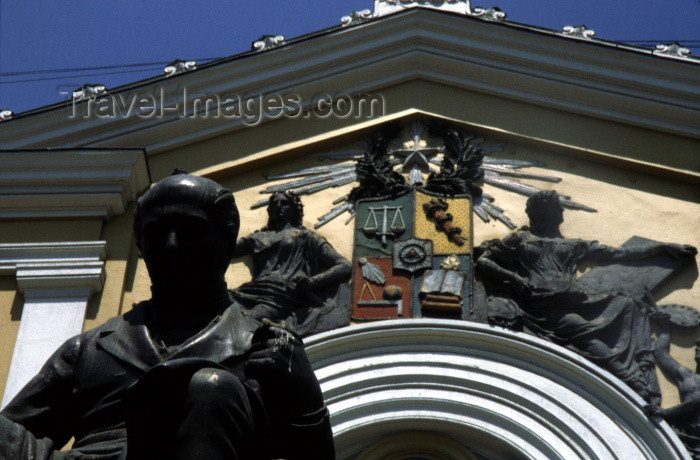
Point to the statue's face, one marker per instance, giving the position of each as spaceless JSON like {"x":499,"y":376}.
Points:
{"x":547,"y":216}
{"x":182,"y":246}
{"x":280,"y":208}
{"x":556,"y":216}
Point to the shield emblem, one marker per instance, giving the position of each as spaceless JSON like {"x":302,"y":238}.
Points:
{"x":413,"y":257}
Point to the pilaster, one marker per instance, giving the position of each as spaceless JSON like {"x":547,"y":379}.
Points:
{"x":57,"y":281}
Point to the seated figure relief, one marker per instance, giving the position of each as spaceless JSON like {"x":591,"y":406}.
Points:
{"x":531,"y":279}
{"x":296,"y":272}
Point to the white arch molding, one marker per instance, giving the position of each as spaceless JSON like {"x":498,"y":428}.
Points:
{"x":498,"y":393}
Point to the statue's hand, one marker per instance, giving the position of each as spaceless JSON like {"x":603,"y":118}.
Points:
{"x":680,"y":251}
{"x":280,"y":366}
{"x":660,"y":317}
{"x":302,"y":283}
{"x":652,"y":410}
{"x":521,"y":286}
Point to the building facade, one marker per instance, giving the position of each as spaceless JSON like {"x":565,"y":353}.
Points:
{"x":618,"y":127}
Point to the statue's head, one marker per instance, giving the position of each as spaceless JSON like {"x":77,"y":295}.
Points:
{"x":186,"y":229}
{"x":544,"y":211}
{"x":285,"y":207}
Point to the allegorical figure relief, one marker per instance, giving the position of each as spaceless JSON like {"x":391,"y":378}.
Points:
{"x":536,"y":268}
{"x":184,"y":375}
{"x":685,"y":417}
{"x":296,"y":272}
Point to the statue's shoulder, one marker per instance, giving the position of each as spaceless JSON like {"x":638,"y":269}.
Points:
{"x":259,"y":233}
{"x":313,"y":236}
{"x":135,"y":316}
{"x":512,"y":240}
{"x":260,"y":240}
{"x":72,"y":348}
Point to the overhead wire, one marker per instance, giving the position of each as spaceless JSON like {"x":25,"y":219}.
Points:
{"x":149,"y":66}
{"x":690,"y":43}
{"x":104,"y":67}
{"x":62,"y":77}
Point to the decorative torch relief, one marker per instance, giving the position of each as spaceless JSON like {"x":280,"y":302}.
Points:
{"x":435,"y":211}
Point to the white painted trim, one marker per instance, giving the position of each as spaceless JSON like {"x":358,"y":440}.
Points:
{"x":501,"y":394}
{"x":70,"y":183}
{"x":57,"y":280}
{"x":518,"y":63}
{"x":20,"y":254}
{"x":87,"y":274}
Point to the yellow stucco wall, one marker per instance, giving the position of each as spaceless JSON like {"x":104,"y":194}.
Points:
{"x":39,"y":231}
{"x":10,"y":311}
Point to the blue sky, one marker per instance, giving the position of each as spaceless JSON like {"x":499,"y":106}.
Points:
{"x":41,"y":35}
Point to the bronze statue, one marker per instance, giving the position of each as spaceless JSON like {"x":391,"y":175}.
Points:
{"x":296,"y":272}
{"x":533,"y":273}
{"x":685,"y":417}
{"x":183,"y":375}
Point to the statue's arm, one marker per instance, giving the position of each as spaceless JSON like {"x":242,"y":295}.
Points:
{"x":670,"y":367}
{"x":684,"y":411}
{"x":242,"y":248}
{"x":16,"y":443}
{"x":337,"y":268}
{"x":679,"y":415}
{"x":603,"y":252}
{"x":45,"y":406}
{"x":299,"y":418}
{"x":492,"y":270}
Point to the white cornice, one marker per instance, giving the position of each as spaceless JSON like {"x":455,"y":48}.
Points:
{"x":19,"y":254}
{"x":70,"y":183}
{"x":516,"y":63}
{"x":46,"y":267}
{"x":63,"y":276}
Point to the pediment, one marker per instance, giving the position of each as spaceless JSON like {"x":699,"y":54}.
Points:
{"x":481,"y":60}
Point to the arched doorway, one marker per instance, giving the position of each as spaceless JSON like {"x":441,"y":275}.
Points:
{"x":494,"y":393}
